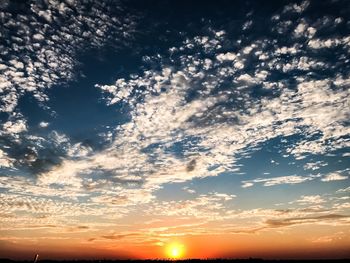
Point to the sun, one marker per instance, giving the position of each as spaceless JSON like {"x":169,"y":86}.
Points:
{"x":175,"y":250}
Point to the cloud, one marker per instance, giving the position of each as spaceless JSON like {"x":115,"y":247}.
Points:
{"x":226,"y":56}
{"x":189,"y":190}
{"x":315,"y":165}
{"x":344,"y":190}
{"x":208,"y":108}
{"x":324,"y":43}
{"x":215,"y":222}
{"x":300,"y":29}
{"x":310,"y":199}
{"x":119,"y":236}
{"x":14,"y":127}
{"x":305,"y":220}
{"x":44,"y":124}
{"x":43,"y":209}
{"x":44,"y":42}
{"x":206,"y":206}
{"x":5,"y":161}
{"x":296,"y":8}
{"x":247,"y":25}
{"x":169,"y":105}
{"x":290,"y":179}
{"x":334,"y":177}
{"x":342,"y":206}
{"x":247,"y":184}
{"x":40,"y":49}
{"x":191,"y":165}
{"x":339,"y":236}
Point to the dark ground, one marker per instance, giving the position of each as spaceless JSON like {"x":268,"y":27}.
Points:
{"x":251,"y":260}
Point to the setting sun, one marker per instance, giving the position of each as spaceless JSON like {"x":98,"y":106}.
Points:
{"x":175,"y":250}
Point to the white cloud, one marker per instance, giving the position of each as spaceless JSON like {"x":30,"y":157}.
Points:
{"x":315,"y":165}
{"x":44,"y":54}
{"x":310,"y":199}
{"x":290,"y":179}
{"x":300,"y":29}
{"x":247,"y":184}
{"x":209,"y":206}
{"x":5,"y":161}
{"x":246,"y":78}
{"x":334,"y":177}
{"x":311,"y":31}
{"x":17,"y":64}
{"x":43,"y":124}
{"x":296,"y":8}
{"x":247,"y":50}
{"x":189,"y":190}
{"x":287,"y":50}
{"x":14,"y":127}
{"x":217,"y":125}
{"x":166,"y":117}
{"x":226,"y":56}
{"x":239,"y":65}
{"x":78,"y":150}
{"x":38,"y":37}
{"x":344,"y":190}
{"x":247,"y":25}
{"x":324,"y":43}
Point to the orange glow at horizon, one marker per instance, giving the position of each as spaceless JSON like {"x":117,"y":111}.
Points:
{"x":175,"y":251}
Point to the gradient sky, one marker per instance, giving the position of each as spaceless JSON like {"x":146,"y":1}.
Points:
{"x":127,"y":126}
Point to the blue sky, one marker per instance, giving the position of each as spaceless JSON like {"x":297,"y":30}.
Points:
{"x":173,"y":110}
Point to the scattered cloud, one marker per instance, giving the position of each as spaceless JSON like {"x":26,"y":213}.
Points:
{"x":305,"y":220}
{"x":330,"y":238}
{"x":315,"y":165}
{"x":310,"y":199}
{"x":44,"y":124}
{"x":290,"y":179}
{"x":334,"y":177}
{"x":344,"y":190}
{"x":40,"y":44}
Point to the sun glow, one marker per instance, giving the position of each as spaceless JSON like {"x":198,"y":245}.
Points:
{"x":175,"y":250}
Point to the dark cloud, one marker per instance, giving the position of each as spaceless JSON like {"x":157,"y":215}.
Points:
{"x":191,"y":165}
{"x":285,"y":222}
{"x":105,"y":177}
{"x":302,"y":220}
{"x":35,"y":155}
{"x":121,"y":236}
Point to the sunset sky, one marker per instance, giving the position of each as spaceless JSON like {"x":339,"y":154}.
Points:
{"x":174,"y":129}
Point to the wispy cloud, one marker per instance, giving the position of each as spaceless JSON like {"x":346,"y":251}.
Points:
{"x":290,"y":179}
{"x":305,"y":220}
{"x":334,"y":177}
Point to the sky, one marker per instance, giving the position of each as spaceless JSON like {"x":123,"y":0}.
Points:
{"x":220,"y":128}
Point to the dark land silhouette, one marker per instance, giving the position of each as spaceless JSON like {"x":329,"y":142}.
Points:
{"x":249,"y":260}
